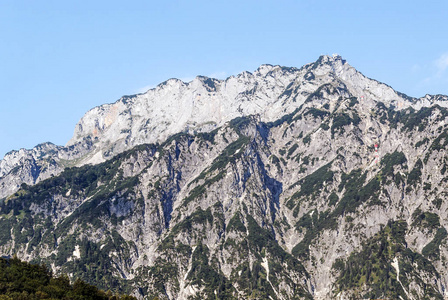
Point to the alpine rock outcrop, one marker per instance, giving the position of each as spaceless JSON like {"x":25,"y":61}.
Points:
{"x":285,"y":183}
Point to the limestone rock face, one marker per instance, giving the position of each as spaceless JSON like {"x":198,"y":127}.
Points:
{"x":310,"y":183}
{"x":197,"y":106}
{"x":206,"y":103}
{"x":42,"y":162}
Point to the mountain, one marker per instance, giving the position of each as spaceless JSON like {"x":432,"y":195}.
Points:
{"x":310,"y":183}
{"x":197,"y":106}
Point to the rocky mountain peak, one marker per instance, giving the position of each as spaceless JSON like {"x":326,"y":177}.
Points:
{"x":203,"y":105}
{"x":265,"y":69}
{"x":284,"y":183}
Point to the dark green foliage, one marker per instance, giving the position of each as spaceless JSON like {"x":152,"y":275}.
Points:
{"x":422,"y":142}
{"x":253,"y":281}
{"x":415,"y":175}
{"x":22,"y":226}
{"x":443,"y":170}
{"x":333,"y":199}
{"x":162,"y":273}
{"x":314,"y":182}
{"x":307,"y":139}
{"x":440,"y":142}
{"x":341,"y":120}
{"x":215,"y":285}
{"x":5,"y":235}
{"x":21,"y":280}
{"x":209,"y":84}
{"x":262,"y":241}
{"x":371,"y":268}
{"x":318,"y":93}
{"x":195,"y":193}
{"x":288,"y":91}
{"x":208,"y":136}
{"x":305,"y":162}
{"x":317,"y":63}
{"x":390,"y":160}
{"x":102,"y":183}
{"x":409,"y":117}
{"x":289,"y":118}
{"x":309,"y":76}
{"x":388,"y":164}
{"x":274,"y":159}
{"x":235,"y":224}
{"x":201,"y":189}
{"x":200,"y":216}
{"x":228,"y":154}
{"x":353,"y":101}
{"x":90,"y":212}
{"x":65,"y":250}
{"x":96,"y":265}
{"x":35,"y":239}
{"x":431,"y":250}
{"x":258,"y":237}
{"x":437,"y":202}
{"x":417,"y":119}
{"x":385,"y":114}
{"x":425,"y":219}
{"x":325,"y":126}
{"x":239,"y":123}
{"x":316,"y":113}
{"x":165,"y":272}
{"x":82,"y":181}
{"x":314,"y":223}
{"x":308,"y":220}
{"x":292,"y":149}
{"x":175,"y":137}
{"x":404,"y":96}
{"x":355,"y":194}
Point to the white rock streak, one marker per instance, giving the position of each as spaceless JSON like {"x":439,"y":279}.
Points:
{"x":397,"y":269}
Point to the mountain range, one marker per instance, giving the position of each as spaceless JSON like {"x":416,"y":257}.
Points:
{"x":285,"y":183}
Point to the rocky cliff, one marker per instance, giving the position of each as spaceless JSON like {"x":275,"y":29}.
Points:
{"x":197,"y":106}
{"x":310,"y":183}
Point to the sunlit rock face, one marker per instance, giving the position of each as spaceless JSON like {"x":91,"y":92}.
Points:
{"x":284,"y":183}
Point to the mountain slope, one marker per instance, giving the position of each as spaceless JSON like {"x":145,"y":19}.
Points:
{"x":341,"y":196}
{"x":197,"y":106}
{"x":20,"y":280}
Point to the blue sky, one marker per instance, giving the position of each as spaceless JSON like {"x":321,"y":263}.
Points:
{"x":58,"y":59}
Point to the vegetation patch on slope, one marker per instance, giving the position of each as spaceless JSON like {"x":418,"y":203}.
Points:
{"x":385,"y":267}
{"x":21,"y":280}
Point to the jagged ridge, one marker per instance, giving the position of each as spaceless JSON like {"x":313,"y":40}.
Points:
{"x":197,"y":106}
{"x":255,"y":208}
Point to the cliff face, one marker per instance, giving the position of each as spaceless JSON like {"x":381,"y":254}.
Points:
{"x":197,"y":106}
{"x":331,"y":185}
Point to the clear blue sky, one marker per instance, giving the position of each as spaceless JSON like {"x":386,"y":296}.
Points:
{"x":58,"y":59}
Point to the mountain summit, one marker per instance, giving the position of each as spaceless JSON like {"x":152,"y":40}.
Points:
{"x":197,"y":106}
{"x":206,"y":103}
{"x":284,"y":183}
